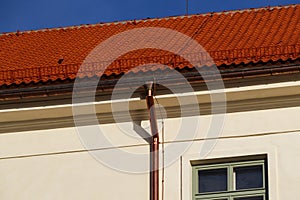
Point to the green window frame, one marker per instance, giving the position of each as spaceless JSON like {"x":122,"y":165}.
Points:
{"x":231,"y":193}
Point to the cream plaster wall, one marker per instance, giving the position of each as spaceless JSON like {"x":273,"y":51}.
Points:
{"x":53,"y":164}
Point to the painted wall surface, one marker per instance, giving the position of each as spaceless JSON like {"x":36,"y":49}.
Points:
{"x":53,"y":164}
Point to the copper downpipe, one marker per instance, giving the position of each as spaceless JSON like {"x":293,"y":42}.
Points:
{"x":154,"y":148}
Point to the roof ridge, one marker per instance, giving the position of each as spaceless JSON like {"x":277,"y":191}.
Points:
{"x":151,"y":19}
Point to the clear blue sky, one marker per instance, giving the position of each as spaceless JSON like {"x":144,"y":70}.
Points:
{"x":36,"y":14}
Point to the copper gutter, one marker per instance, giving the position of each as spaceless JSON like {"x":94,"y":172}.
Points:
{"x":154,"y":147}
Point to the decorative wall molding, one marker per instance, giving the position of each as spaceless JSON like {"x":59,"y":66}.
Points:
{"x":244,"y":99}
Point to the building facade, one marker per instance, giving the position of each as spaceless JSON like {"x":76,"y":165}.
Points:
{"x":232,"y":134}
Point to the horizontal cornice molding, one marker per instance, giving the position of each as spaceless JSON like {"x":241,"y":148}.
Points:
{"x":244,"y":99}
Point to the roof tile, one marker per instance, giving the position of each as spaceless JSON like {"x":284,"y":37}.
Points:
{"x":232,"y":37}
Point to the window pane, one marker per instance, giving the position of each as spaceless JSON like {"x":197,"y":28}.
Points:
{"x":249,"y":177}
{"x":250,"y":198}
{"x":212,"y":180}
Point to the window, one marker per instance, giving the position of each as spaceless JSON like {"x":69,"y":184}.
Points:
{"x":236,"y":180}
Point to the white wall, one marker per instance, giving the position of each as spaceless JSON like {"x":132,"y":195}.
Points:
{"x":53,"y":164}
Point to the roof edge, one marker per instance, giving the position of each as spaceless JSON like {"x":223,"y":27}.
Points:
{"x":151,"y":19}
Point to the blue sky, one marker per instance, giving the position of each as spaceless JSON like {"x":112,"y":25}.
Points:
{"x":36,"y":14}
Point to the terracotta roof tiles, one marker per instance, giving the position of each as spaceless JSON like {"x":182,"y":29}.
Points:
{"x":231,"y":37}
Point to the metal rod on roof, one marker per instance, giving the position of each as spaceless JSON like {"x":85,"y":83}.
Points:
{"x":154,"y":146}
{"x":187,"y":7}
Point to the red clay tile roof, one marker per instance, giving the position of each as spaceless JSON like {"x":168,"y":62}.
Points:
{"x":233,"y":37}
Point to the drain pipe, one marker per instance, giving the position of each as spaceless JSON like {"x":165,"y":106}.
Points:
{"x":154,"y":145}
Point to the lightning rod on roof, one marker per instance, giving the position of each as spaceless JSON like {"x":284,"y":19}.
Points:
{"x":187,"y":7}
